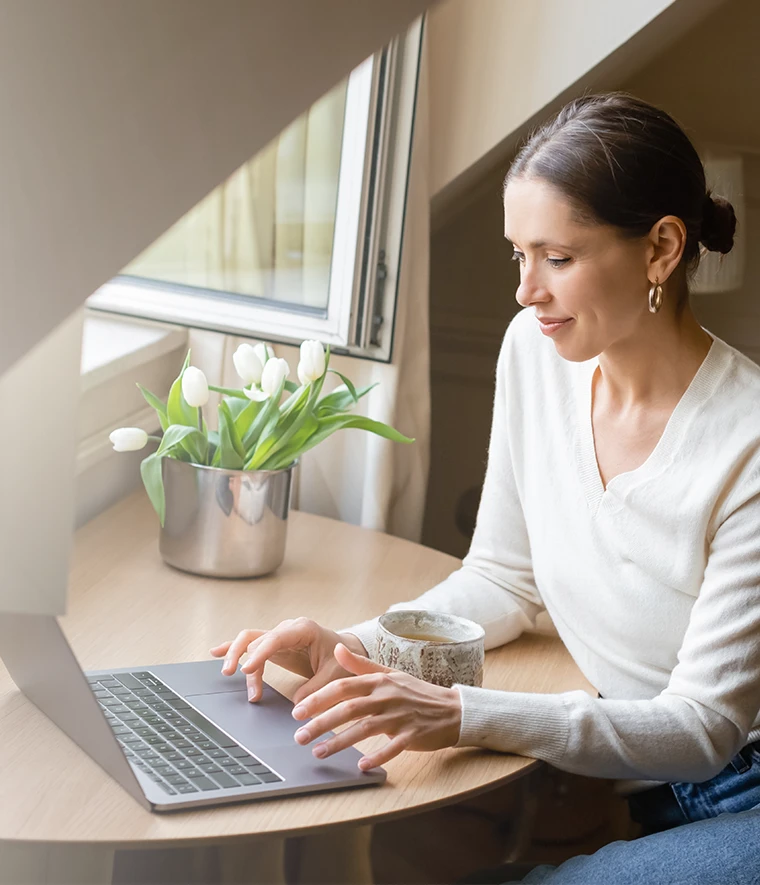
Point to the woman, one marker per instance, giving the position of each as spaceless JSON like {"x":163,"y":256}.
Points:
{"x":622,"y":495}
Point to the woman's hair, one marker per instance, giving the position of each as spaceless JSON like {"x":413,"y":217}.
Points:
{"x":623,"y":162}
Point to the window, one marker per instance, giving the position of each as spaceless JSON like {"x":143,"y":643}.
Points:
{"x":303,"y":240}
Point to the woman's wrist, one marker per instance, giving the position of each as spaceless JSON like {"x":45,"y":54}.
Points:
{"x":354,"y":644}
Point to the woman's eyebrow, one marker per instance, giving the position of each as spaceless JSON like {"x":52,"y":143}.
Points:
{"x":540,"y":244}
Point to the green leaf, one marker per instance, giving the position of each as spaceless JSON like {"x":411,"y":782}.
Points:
{"x":340,"y":400}
{"x":291,"y":386}
{"x":277,"y":434}
{"x":150,"y":470}
{"x":234,"y":392}
{"x":267,"y":414}
{"x":152,"y":400}
{"x":288,"y":453}
{"x":331,"y":423}
{"x":347,"y":382}
{"x":177,"y":409}
{"x":245,"y":417}
{"x":231,"y":451}
{"x":178,"y":434}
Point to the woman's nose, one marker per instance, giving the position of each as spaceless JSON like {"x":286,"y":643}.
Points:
{"x":530,"y":291}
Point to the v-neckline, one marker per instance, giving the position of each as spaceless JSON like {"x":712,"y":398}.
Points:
{"x":700,"y":387}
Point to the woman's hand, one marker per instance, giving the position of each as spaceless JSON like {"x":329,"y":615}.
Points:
{"x":301,"y":646}
{"x":415,"y":715}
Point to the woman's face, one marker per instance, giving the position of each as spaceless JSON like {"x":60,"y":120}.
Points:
{"x":587,"y":283}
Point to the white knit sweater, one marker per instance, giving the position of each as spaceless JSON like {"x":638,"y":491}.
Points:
{"x":653,"y":584}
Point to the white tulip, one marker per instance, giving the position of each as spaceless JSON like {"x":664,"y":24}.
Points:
{"x":248,"y":364}
{"x":194,"y":387}
{"x":312,"y":364}
{"x":264,"y":352}
{"x":275,"y":372}
{"x":128,"y":439}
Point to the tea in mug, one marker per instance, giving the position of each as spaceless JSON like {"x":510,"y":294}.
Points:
{"x":425,"y":637}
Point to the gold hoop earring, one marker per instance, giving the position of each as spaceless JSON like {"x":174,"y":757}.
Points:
{"x":655,"y":297}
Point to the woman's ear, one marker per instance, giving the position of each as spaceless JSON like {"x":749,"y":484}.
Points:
{"x":668,"y":239}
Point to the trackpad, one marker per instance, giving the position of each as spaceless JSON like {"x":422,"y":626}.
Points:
{"x":267,"y":723}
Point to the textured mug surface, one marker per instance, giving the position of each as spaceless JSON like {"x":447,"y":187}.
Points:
{"x":459,"y":659}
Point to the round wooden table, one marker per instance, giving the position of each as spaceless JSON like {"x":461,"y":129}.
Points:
{"x":126,"y":608}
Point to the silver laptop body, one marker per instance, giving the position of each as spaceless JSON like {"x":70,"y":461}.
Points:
{"x":225,"y":748}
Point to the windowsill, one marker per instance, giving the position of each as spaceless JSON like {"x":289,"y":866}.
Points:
{"x":112,"y":346}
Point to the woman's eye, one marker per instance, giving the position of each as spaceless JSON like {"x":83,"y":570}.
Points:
{"x":518,"y":256}
{"x":557,"y":262}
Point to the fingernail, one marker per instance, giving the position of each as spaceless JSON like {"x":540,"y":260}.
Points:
{"x":298,"y":711}
{"x":320,"y":750}
{"x":251,"y":692}
{"x":365,"y":764}
{"x":303,"y":736}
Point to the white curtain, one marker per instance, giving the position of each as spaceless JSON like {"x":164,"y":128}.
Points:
{"x":356,"y":476}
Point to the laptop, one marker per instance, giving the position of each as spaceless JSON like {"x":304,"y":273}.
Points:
{"x":175,"y":736}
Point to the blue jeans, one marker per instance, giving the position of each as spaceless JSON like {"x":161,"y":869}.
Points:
{"x":723,"y":850}
{"x":736,"y":788}
{"x":695,"y":834}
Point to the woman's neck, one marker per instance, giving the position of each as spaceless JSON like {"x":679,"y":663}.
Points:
{"x":654,"y":367}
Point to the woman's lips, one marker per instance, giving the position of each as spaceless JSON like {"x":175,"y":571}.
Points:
{"x":550,"y":325}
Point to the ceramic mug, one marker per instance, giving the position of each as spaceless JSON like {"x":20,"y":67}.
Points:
{"x":434,"y":646}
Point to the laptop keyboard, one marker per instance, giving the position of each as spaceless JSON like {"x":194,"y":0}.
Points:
{"x":172,"y":743}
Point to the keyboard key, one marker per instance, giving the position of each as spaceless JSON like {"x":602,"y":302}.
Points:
{"x":121,"y":692}
{"x":206,"y":745}
{"x":186,"y":788}
{"x":182,"y":764}
{"x":269,"y":777}
{"x":167,"y":789}
{"x":109,"y":683}
{"x":194,"y":752}
{"x":239,"y":752}
{"x":163,"y":768}
{"x":217,"y":754}
{"x":110,"y":702}
{"x":247,"y":780}
{"x":180,"y":705}
{"x":93,"y":680}
{"x":209,"y":767}
{"x":174,"y":756}
{"x":238,"y":769}
{"x":120,"y":730}
{"x":144,"y":731}
{"x":193,"y":773}
{"x":208,"y":728}
{"x":205,"y":784}
{"x":230,"y":763}
{"x":102,"y":694}
{"x":252,"y":764}
{"x":131,"y":739}
{"x":142,"y":675}
{"x":128,"y":679}
{"x":224,"y":780}
{"x":175,"y":779}
{"x":182,"y":744}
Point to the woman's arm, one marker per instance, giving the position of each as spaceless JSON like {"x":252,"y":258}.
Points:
{"x":495,"y":585}
{"x":696,"y":725}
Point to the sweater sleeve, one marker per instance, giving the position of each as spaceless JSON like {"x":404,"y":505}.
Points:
{"x":495,"y":585}
{"x":701,"y":719}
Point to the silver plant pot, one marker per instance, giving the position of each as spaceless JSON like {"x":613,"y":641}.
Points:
{"x":224,"y":523}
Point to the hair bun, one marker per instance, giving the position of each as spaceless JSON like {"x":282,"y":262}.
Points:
{"x":718,"y":224}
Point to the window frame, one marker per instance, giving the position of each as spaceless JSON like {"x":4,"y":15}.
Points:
{"x":371,"y":202}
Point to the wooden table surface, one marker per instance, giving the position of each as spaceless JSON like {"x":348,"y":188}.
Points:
{"x":126,"y":608}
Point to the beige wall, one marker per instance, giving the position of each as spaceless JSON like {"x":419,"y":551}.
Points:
{"x":716,"y":101}
{"x":473,"y":281}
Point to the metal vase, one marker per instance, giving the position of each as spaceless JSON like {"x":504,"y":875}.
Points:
{"x":224,"y":523}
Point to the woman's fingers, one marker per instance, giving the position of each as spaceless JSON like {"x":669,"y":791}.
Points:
{"x":348,"y":711}
{"x":395,"y":746}
{"x":320,"y":679}
{"x":290,"y":635}
{"x":364,"y":728}
{"x":336,"y":691}
{"x":220,"y":650}
{"x":237,"y":648}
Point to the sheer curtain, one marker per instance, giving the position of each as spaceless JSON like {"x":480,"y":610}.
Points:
{"x":355,"y":476}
